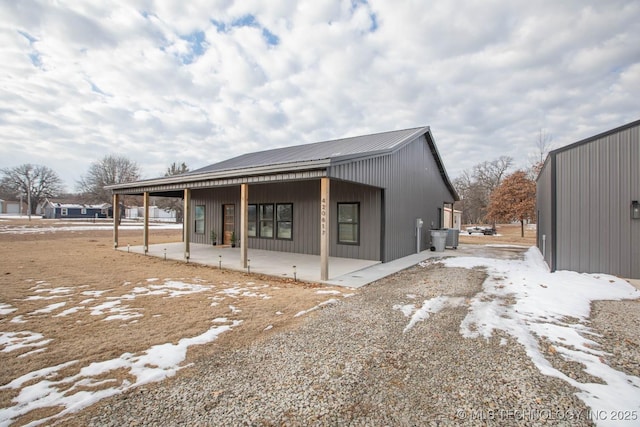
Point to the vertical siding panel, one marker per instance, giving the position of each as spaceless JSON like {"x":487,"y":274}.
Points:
{"x":305,"y":196}
{"x":596,"y":183}
{"x":633,"y":240}
{"x":411,"y":170}
{"x":543,"y":204}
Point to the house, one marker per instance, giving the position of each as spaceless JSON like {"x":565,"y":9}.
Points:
{"x":155,"y":213}
{"x":369,"y":197}
{"x":55,"y":210}
{"x":588,"y":204}
{"x":454,"y":221}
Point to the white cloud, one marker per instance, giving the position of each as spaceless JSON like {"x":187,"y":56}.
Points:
{"x":198,"y":82}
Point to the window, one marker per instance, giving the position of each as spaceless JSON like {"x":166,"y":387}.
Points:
{"x":349,"y":223}
{"x":266,"y":221}
{"x":284,"y":221}
{"x":64,"y":211}
{"x":199,"y":226}
{"x":253,"y":220}
{"x":83,"y":211}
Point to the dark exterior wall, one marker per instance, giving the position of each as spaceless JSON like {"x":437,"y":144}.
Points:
{"x":544,"y":201}
{"x":413,"y":188}
{"x":370,"y":200}
{"x":56,"y":213}
{"x":305,"y":196}
{"x":595,"y":183}
{"x":213,"y":199}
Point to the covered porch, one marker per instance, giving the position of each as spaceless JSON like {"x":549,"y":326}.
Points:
{"x":311,"y":211}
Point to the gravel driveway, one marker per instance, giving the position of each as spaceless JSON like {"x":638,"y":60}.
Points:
{"x":351,"y":364}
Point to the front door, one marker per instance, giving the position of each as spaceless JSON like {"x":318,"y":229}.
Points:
{"x":229,"y":223}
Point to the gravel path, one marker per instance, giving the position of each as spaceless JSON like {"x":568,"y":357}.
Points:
{"x":351,"y":364}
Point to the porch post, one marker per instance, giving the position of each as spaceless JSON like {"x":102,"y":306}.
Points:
{"x":324,"y":228}
{"x":186,"y":224}
{"x":244,"y":224}
{"x":452,"y":215}
{"x":145,"y":235}
{"x":116,"y":219}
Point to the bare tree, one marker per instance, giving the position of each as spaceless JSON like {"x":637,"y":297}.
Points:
{"x":476,"y":186}
{"x":174,"y":203}
{"x":34,"y":182}
{"x":472,"y":196}
{"x":514,"y":200}
{"x":490,"y":174}
{"x":542,"y":147}
{"x":110,"y":170}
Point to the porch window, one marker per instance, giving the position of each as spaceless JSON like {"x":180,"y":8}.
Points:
{"x":64,"y":211}
{"x":253,"y":220}
{"x":349,"y":223}
{"x":284,"y":220}
{"x":199,"y":216}
{"x":266,"y":221}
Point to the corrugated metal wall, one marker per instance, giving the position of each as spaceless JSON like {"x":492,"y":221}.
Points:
{"x":544,"y":212}
{"x":213,"y":199}
{"x":305,"y":196}
{"x":596,"y":183}
{"x":413,"y":188}
{"x":370,"y":200}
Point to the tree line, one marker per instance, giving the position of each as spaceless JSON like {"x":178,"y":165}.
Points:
{"x":490,"y":193}
{"x":35,"y":183}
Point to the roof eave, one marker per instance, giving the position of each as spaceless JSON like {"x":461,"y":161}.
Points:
{"x":230,"y":173}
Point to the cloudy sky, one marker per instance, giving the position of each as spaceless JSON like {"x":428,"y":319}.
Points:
{"x":202,"y":81}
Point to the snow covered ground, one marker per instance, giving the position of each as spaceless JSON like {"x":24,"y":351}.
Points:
{"x":42,"y":226}
{"x":525,"y":300}
{"x":49,"y":387}
{"x":519,"y":297}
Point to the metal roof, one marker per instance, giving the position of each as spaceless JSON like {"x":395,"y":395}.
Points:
{"x":288,"y":160}
{"x":341,"y":149}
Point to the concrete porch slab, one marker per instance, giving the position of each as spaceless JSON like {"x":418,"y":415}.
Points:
{"x":279,"y":264}
{"x":352,"y":273}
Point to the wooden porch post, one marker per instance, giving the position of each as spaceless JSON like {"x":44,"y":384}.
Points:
{"x":186,"y":224}
{"x":145,"y":235}
{"x":244,"y":224}
{"x":452,"y":215}
{"x":324,"y":228}
{"x":116,"y":219}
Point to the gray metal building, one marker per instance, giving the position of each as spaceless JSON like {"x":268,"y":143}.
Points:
{"x":356,"y":197}
{"x":588,"y":203}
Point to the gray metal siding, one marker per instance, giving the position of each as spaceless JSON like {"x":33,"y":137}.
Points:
{"x":544,"y":204}
{"x":596,"y":183}
{"x":414,"y":188}
{"x":370,"y":200}
{"x":305,"y":196}
{"x":213,"y":199}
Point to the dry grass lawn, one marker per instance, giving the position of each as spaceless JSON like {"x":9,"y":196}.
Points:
{"x":90,"y":303}
{"x":506,"y":234}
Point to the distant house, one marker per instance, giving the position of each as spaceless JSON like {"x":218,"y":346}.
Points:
{"x":588,"y":202}
{"x":54,"y":210}
{"x":371,"y":197}
{"x":155,"y":213}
